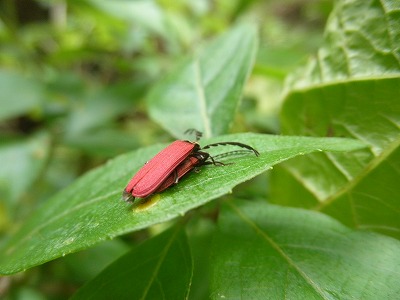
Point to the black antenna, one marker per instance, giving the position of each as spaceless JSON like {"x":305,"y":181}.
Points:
{"x":232,"y":153}
{"x":233,"y":144}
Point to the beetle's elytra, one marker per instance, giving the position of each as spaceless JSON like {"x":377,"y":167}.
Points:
{"x":171,"y":164}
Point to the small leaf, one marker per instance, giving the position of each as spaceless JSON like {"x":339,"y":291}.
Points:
{"x":91,"y":209}
{"x":146,"y":272}
{"x":204,"y":92}
{"x":264,"y":251}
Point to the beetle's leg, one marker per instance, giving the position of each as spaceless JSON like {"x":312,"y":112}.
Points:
{"x":176,"y":178}
{"x":215,"y":163}
{"x":203,"y":158}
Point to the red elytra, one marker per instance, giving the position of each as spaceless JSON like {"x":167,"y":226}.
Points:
{"x":170,"y":165}
{"x":182,"y":169}
{"x":155,"y":171}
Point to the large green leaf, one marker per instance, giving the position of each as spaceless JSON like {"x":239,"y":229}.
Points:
{"x":264,"y":251}
{"x":146,"y":271}
{"x":352,"y":90}
{"x":204,"y":92}
{"x":91,"y":210}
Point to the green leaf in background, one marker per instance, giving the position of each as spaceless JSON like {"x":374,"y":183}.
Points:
{"x":298,"y":254}
{"x":200,"y":233}
{"x":203,"y":93}
{"x":350,"y":90}
{"x":90,"y":126}
{"x":103,"y":142}
{"x":21,"y":162}
{"x":91,"y":210}
{"x":143,"y":12}
{"x":18,"y":94}
{"x":94,"y":109}
{"x":160,"y":268}
{"x":86,"y":265}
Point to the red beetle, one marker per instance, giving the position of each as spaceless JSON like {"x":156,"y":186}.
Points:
{"x":170,"y":165}
{"x":183,"y":168}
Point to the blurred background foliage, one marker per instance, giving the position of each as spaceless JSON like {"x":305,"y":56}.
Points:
{"x":73,"y":80}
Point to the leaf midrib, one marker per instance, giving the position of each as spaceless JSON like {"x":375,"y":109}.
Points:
{"x":159,"y":263}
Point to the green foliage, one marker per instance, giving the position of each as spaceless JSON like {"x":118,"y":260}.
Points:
{"x":19,"y":95}
{"x":210,"y":85}
{"x":84,"y":95}
{"x":342,"y":94}
{"x":154,"y":260}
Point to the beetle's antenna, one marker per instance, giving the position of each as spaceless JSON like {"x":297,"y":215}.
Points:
{"x":233,"y":144}
{"x":197,"y":133}
{"x":232,"y":153}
